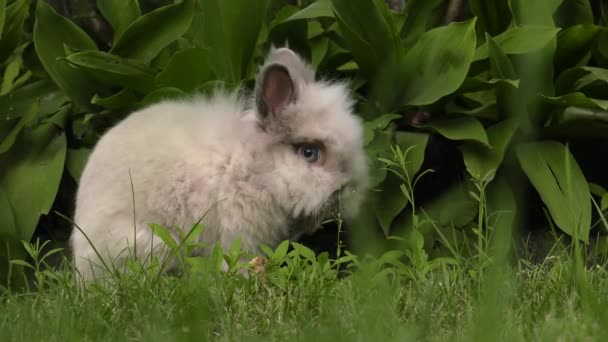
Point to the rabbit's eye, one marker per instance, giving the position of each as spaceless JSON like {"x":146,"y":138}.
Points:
{"x":309,"y":152}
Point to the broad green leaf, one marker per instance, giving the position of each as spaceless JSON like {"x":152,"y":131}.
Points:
{"x":149,"y":34}
{"x":8,"y":227}
{"x":493,"y":16}
{"x":379,"y":123}
{"x":11,"y":73}
{"x":506,"y":93}
{"x":557,"y":178}
{"x":573,"y":45}
{"x":576,"y":100}
{"x":48,"y":27}
{"x":574,"y":79}
{"x":574,"y":12}
{"x":280,"y":252}
{"x":303,"y":251}
{"x":164,"y":235}
{"x":186,"y":70}
{"x":391,"y":202}
{"x":453,"y":206}
{"x":119,"y":13}
{"x":114,"y":70}
{"x":444,"y":54}
{"x":318,"y":9}
{"x":484,"y":111}
{"x":369,"y":32}
{"x":379,"y":145}
{"x":30,"y":174}
{"x":391,"y":199}
{"x":12,"y":28}
{"x":500,"y":64}
{"x":319,"y":48}
{"x":519,"y":40}
{"x":123,"y":99}
{"x":230,"y":32}
{"x":16,"y":103}
{"x":478,"y":84}
{"x":418,"y":13}
{"x":295,"y":33}
{"x":76,"y":160}
{"x":7,"y":142}
{"x":464,"y":128}
{"x":502,"y":211}
{"x":416,"y":143}
{"x":527,"y":12}
{"x":482,"y":161}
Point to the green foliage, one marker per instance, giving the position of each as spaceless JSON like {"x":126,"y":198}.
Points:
{"x":509,"y":87}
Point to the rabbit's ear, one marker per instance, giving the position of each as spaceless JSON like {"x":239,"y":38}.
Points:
{"x":280,"y":79}
{"x":274,"y":90}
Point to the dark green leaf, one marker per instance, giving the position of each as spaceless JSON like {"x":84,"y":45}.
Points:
{"x":379,"y":123}
{"x":318,"y":9}
{"x":392,"y":202}
{"x":2,"y":16}
{"x":12,"y":30}
{"x":149,"y":34}
{"x":576,"y":100}
{"x":48,"y":27}
{"x":186,"y":70}
{"x":8,"y":227}
{"x":481,"y":161}
{"x":416,"y":143}
{"x":369,"y":32}
{"x":114,"y":70}
{"x":540,"y":13}
{"x":319,"y":48}
{"x":418,"y":14}
{"x":76,"y":160}
{"x":560,"y":183}
{"x":164,"y":235}
{"x":573,"y":12}
{"x":573,"y":45}
{"x":520,"y":40}
{"x":119,"y":13}
{"x":7,"y":142}
{"x":231,"y":30}
{"x":464,"y":128}
{"x":292,"y":33}
{"x":280,"y":252}
{"x":30,"y":174}
{"x":500,"y":64}
{"x":444,"y":54}
{"x":19,"y":101}
{"x":379,"y":145}
{"x":121,"y":100}
{"x":493,"y":16}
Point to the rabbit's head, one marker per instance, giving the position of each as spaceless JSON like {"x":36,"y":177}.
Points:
{"x":315,"y":153}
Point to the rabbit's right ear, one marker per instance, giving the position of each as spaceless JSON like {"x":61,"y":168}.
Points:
{"x":275,"y":89}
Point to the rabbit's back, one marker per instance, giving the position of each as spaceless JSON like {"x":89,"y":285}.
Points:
{"x":168,"y":160}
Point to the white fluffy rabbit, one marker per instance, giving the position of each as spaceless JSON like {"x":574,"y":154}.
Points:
{"x":262,"y":170}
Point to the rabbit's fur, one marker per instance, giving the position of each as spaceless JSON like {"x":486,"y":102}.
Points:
{"x":238,"y":163}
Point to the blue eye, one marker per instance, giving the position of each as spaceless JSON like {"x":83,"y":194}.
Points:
{"x":309,"y":152}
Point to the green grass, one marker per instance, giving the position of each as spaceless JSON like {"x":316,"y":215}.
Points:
{"x":378,"y":299}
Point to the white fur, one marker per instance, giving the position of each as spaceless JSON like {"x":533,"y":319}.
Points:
{"x":212,"y":155}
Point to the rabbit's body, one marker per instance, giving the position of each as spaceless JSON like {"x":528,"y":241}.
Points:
{"x":240,"y":168}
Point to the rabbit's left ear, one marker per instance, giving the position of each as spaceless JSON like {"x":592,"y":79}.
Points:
{"x":279,"y":80}
{"x":274,"y":90}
